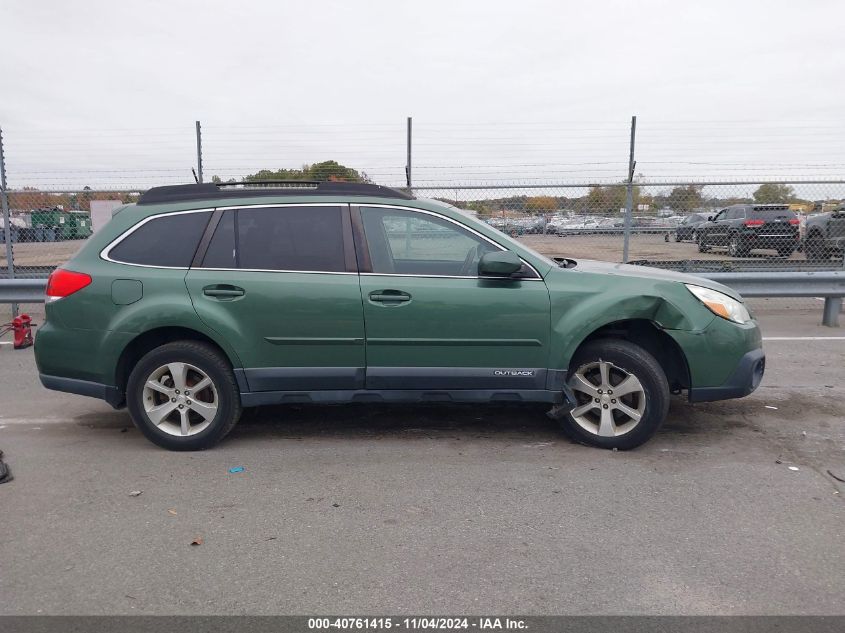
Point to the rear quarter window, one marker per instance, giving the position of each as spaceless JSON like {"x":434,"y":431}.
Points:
{"x":169,"y":240}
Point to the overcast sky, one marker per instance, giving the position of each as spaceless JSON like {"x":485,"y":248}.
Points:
{"x":107,"y":92}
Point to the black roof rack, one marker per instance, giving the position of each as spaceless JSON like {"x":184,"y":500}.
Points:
{"x":215,"y":191}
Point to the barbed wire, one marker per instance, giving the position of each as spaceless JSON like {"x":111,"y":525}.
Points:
{"x":517,"y":150}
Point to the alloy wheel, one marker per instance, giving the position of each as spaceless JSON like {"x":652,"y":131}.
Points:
{"x":733,"y":248}
{"x":610,"y":400}
{"x":180,"y":399}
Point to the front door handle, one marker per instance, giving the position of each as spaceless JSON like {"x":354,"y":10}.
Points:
{"x":223,"y":292}
{"x":389,"y":297}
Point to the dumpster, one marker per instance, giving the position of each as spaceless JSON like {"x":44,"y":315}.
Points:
{"x":77,"y":225}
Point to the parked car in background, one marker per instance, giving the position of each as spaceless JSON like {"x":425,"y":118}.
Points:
{"x":824,"y":235}
{"x":203,"y":299}
{"x":17,"y":226}
{"x":742,"y":228}
{"x":558,"y":225}
{"x":686,"y":230}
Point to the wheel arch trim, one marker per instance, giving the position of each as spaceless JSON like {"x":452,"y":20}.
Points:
{"x":671,"y":358}
{"x":166,"y":333}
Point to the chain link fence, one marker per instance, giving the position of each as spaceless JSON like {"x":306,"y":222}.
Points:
{"x":691,"y":227}
{"x":570,"y":210}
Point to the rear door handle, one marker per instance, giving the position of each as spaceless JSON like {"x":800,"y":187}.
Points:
{"x":389,"y":296}
{"x":223,"y":292}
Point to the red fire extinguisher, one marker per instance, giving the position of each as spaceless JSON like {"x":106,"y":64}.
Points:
{"x":21,"y":328}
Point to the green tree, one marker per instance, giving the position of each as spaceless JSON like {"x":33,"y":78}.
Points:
{"x":608,"y":200}
{"x":771,"y":193}
{"x":685,"y":198}
{"x":326,"y":170}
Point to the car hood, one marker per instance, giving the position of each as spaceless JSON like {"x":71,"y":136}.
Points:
{"x":646,"y":272}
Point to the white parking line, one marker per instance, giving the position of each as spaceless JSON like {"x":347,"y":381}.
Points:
{"x":804,"y":338}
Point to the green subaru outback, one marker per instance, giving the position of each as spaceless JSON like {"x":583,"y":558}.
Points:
{"x":200,"y":300}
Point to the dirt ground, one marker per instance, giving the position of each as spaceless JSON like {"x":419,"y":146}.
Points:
{"x":48,"y":254}
{"x":641,"y":246}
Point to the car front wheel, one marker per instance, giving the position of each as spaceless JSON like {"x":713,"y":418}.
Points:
{"x":621,"y":395}
{"x":735,"y":246}
{"x":183,"y":396}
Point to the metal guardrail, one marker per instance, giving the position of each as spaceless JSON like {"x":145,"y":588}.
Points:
{"x":704,"y":267}
{"x":22,"y":290}
{"x":829,"y":285}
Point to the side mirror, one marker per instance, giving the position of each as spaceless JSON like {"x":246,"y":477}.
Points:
{"x":710,"y":218}
{"x":499,"y":264}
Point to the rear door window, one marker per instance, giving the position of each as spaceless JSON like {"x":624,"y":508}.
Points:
{"x":307,"y":238}
{"x":169,"y":241}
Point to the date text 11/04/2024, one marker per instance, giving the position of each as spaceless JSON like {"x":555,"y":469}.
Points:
{"x":416,"y":623}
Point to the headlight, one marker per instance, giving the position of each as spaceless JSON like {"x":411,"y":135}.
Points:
{"x":721,"y":304}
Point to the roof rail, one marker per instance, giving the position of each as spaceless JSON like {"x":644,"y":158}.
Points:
{"x":214,"y":191}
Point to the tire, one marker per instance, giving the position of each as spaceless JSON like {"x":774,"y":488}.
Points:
{"x":814,"y":248}
{"x":207,"y":415}
{"x":702,"y":243}
{"x":589,"y":424}
{"x":735,"y":246}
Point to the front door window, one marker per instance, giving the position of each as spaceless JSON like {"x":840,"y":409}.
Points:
{"x":412,"y":243}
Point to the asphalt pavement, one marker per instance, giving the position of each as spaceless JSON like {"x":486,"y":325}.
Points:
{"x":733,"y":508}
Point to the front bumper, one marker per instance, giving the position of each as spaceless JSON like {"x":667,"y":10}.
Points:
{"x":745,"y":378}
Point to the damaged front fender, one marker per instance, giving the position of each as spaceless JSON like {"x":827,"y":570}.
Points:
{"x":577,"y":315}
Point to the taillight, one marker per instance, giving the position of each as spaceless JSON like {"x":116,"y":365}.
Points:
{"x":754,"y":223}
{"x":63,"y":283}
{"x":794,"y":221}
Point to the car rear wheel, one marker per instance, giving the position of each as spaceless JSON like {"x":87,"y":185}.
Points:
{"x":621,"y":395}
{"x":702,"y":243}
{"x":183,"y":396}
{"x":814,"y":248}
